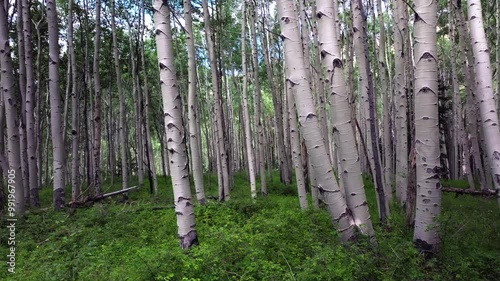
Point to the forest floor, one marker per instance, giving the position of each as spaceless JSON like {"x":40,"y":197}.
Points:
{"x":271,"y":239}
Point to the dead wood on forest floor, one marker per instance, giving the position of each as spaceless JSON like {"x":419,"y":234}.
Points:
{"x":473,"y":192}
{"x":86,"y":202}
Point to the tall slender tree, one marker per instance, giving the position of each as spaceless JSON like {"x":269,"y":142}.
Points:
{"x":484,"y":80}
{"x":367,"y":97}
{"x":96,"y":149}
{"x":259,"y":113}
{"x":224,"y":187}
{"x":75,"y":125}
{"x":386,"y":92}
{"x":172,"y":109}
{"x":309,"y":123}
{"x":428,"y":202}
{"x":193,"y":118}
{"x":121,"y":95}
{"x":59,"y":156}
{"x":11,"y":103}
{"x":147,"y":127}
{"x":401,"y":100}
{"x":246,"y":110}
{"x":349,"y":168}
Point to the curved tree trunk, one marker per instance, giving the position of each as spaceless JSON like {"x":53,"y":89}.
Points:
{"x":428,"y":200}
{"x":349,"y":168}
{"x":59,"y":158}
{"x":309,"y":123}
{"x":172,"y":108}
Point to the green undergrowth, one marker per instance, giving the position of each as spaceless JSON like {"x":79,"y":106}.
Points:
{"x":266,"y":239}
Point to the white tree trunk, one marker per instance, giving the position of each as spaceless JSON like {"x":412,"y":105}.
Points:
{"x":75,"y":130}
{"x":484,"y":82}
{"x":147,"y":127}
{"x":97,"y":102}
{"x":428,"y":200}
{"x":30,"y":103}
{"x":172,"y":108}
{"x":121,"y":95}
{"x":386,"y":92}
{"x":258,"y":102}
{"x":194,"y":137}
{"x":11,"y":114}
{"x":246,"y":111}
{"x":401,"y":102}
{"x":349,"y":167}
{"x":137,"y":109}
{"x":461,"y":150}
{"x":367,"y":99}
{"x":309,"y":123}
{"x":296,"y":149}
{"x":222,"y":152}
{"x":59,"y":158}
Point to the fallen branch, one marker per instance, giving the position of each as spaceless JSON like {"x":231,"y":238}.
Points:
{"x":91,"y":200}
{"x":460,"y":191}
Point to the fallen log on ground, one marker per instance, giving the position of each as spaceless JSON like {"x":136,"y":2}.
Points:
{"x":91,"y":200}
{"x":473,"y":192}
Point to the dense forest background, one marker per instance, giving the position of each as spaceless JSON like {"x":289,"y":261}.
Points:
{"x":272,"y":140}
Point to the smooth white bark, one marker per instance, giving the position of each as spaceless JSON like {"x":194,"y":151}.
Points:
{"x":59,"y":158}
{"x":11,"y":115}
{"x":193,"y":119}
{"x":172,"y":109}
{"x":349,"y":166}
{"x":428,"y":200}
{"x":484,"y":80}
{"x":309,"y":123}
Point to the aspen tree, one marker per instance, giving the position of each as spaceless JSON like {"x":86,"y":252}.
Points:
{"x":484,"y":80}
{"x":172,"y":109}
{"x":11,"y":115}
{"x":193,"y":119}
{"x":367,"y":96}
{"x":309,"y":123}
{"x":121,"y":95}
{"x":349,"y":168}
{"x":59,"y":158}
{"x":427,"y":147}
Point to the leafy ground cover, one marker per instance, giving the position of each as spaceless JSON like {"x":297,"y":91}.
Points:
{"x":270,"y":239}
